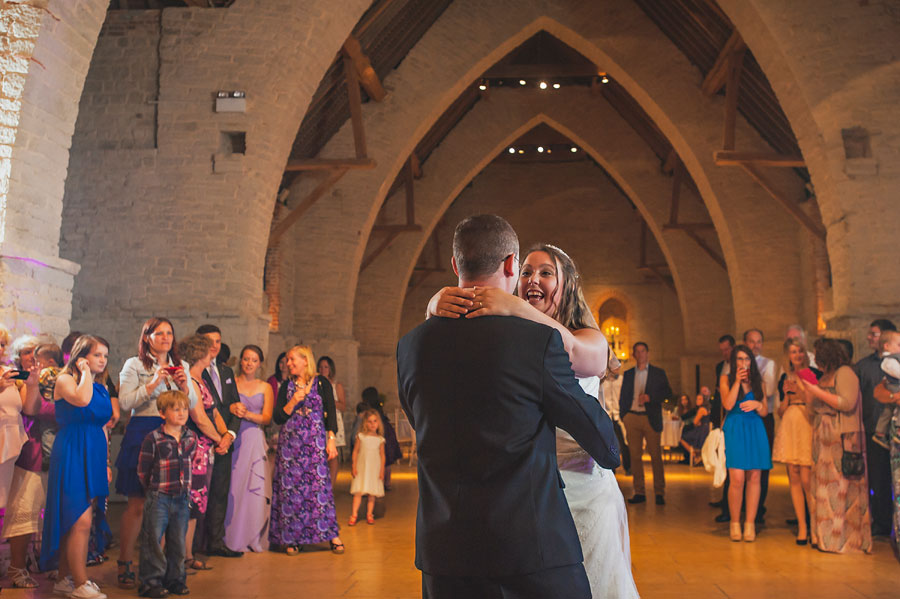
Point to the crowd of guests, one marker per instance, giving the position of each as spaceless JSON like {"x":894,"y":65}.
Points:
{"x":212,"y":463}
{"x":836,"y":432}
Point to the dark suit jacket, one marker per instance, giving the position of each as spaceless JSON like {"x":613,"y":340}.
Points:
{"x":484,"y":396}
{"x":230,"y":395}
{"x":657,"y":388}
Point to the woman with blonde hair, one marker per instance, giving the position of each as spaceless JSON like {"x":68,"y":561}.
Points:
{"x":793,"y":440}
{"x":302,"y":500}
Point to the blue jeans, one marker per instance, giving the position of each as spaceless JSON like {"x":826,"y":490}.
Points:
{"x":163,"y":515}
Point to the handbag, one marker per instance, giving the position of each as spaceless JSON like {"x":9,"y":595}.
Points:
{"x":853,"y":463}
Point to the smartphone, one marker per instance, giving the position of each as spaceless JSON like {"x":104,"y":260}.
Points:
{"x":172,"y":369}
{"x":19,"y":375}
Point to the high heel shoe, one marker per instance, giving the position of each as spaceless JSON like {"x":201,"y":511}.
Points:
{"x":735,"y":531}
{"x":803,"y":541}
{"x":749,"y":532}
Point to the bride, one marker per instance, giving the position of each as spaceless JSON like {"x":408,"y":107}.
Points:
{"x":550,"y":292}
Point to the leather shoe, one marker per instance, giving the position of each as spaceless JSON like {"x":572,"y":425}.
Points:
{"x":719,"y":503}
{"x":660,"y":500}
{"x":723,"y":518}
{"x":225,"y":552}
{"x":637,"y":498}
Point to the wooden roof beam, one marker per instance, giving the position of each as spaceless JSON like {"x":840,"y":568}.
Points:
{"x":732,"y":91}
{"x":733,"y":158}
{"x":717,"y":76}
{"x":294,"y":215}
{"x":368,"y":78}
{"x":537,"y":71}
{"x":802,"y":217}
{"x":329,"y":164}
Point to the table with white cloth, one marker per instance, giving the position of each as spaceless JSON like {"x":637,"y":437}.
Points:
{"x":671,"y":432}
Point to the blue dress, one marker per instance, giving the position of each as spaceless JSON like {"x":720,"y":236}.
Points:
{"x":746,"y":443}
{"x":77,"y":469}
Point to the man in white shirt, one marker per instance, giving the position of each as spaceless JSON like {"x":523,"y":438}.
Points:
{"x":753,"y":338}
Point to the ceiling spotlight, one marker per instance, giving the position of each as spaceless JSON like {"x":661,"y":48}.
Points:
{"x":556,"y":86}
{"x":482,"y":87}
{"x":512,"y":150}
{"x":543,"y":85}
{"x":541,"y":149}
{"x":521,"y":82}
{"x":574,"y":149}
{"x":604,"y":79}
{"x":549,"y":151}
{"x":521,"y":151}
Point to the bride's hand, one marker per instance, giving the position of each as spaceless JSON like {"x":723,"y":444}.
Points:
{"x":450,"y":302}
{"x":491,"y":301}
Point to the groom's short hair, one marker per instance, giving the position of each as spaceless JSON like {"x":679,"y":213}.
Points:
{"x":481,"y":243}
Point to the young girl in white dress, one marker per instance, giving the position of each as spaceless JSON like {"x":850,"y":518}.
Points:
{"x":368,"y":465}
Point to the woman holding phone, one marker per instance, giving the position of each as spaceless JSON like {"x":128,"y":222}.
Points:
{"x":746,"y":445}
{"x":155,"y":369}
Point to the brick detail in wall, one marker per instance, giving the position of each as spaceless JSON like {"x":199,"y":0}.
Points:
{"x":20,"y":24}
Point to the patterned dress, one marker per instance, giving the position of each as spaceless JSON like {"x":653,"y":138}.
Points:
{"x":302,"y":502}
{"x":201,"y":464}
{"x":895,"y":467}
{"x":840,"y":514}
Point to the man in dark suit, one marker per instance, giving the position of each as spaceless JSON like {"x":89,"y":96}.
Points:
{"x":484,"y":396}
{"x":644,"y":388}
{"x":220,"y":381}
{"x":726,"y":346}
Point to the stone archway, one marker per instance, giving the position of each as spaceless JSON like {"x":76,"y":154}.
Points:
{"x":49,"y":46}
{"x":161,"y":220}
{"x":645,"y":62}
{"x":834,"y":69}
{"x":703,"y":287}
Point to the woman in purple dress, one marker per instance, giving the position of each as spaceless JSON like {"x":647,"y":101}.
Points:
{"x":247,"y":518}
{"x":302,"y":501}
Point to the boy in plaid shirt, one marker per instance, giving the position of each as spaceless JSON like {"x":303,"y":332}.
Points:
{"x":164,"y":468}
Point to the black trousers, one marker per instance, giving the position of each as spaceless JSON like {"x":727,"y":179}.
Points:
{"x":566,"y":582}
{"x":878,"y":463}
{"x":623,"y":449}
{"x":217,"y":504}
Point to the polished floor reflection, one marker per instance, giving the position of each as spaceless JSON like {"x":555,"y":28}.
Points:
{"x":678,"y":551}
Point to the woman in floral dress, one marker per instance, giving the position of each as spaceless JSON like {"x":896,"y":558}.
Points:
{"x":302,"y":501}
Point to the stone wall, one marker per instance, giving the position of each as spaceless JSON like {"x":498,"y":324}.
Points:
{"x":576,"y":207}
{"x":45,"y":49}
{"x":161,"y":212}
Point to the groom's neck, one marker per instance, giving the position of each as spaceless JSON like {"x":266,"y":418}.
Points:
{"x":491,"y":281}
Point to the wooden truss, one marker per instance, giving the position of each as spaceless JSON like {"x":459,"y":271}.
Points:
{"x":727,"y":71}
{"x":392,"y":231}
{"x":690,"y":229}
{"x":358,"y":72}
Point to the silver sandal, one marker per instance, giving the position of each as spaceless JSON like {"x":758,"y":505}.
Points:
{"x":21,"y":578}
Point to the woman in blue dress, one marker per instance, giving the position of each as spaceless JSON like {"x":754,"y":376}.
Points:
{"x":78,"y":474}
{"x":746,"y":444}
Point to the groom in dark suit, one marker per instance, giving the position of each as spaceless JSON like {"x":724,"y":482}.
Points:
{"x":484,"y":396}
{"x":644,"y":388}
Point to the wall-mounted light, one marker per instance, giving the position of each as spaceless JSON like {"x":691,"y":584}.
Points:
{"x":231,"y":101}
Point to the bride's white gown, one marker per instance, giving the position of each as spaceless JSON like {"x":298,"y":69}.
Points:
{"x":598,"y":509}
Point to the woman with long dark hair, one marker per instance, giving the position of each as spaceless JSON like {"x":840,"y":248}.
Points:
{"x":746,"y":445}
{"x":155,"y":369}
{"x":839,"y":496}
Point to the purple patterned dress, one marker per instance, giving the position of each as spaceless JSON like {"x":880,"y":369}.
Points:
{"x":302,"y":501}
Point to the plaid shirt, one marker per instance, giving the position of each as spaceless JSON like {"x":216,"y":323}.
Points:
{"x":164,"y":464}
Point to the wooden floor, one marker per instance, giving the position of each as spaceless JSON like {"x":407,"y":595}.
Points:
{"x":678,"y":551}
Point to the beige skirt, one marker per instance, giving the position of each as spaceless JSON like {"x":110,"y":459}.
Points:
{"x":27,"y":494}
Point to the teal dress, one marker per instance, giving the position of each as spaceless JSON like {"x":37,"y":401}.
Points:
{"x":746,"y":443}
{"x":77,"y":469}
